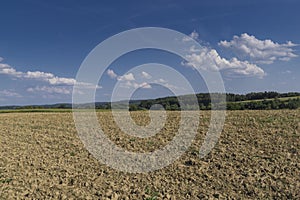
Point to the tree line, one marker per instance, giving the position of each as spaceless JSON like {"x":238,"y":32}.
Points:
{"x":250,"y":101}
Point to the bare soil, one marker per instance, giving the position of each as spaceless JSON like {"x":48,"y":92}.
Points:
{"x":257,"y":157}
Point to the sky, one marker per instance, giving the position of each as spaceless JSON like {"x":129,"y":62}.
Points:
{"x":253,"y":44}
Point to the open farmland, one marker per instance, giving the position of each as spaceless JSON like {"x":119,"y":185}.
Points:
{"x":257,"y":156}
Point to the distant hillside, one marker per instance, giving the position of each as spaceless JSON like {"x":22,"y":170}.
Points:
{"x":250,"y":101}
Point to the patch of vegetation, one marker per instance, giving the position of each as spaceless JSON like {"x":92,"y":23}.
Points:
{"x":153,"y":195}
{"x":7,"y":180}
{"x":72,"y":153}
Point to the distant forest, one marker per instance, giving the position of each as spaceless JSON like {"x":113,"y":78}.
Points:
{"x":250,"y":101}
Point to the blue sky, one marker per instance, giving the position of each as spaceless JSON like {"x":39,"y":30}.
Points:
{"x":254,"y":44}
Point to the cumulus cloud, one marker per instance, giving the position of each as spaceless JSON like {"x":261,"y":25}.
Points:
{"x":259,"y":51}
{"x":142,"y":85}
{"x":287,"y":72}
{"x":129,"y":81}
{"x":61,"y":81}
{"x":8,"y":70}
{"x":38,"y":74}
{"x":145,"y":85}
{"x":41,"y":76}
{"x":160,"y":80}
{"x":9,"y":93}
{"x":194,"y":35}
{"x":51,"y":90}
{"x":111,"y":73}
{"x":206,"y":58}
{"x":133,"y":84}
{"x":209,"y":59}
{"x":126,"y":77}
{"x":146,"y":75}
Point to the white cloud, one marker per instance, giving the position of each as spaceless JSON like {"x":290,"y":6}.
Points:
{"x":8,"y":70}
{"x":194,"y":35}
{"x":133,"y":84}
{"x":54,"y":89}
{"x":50,"y":78}
{"x":9,"y":93}
{"x":38,"y":74}
{"x":61,"y":81}
{"x":209,"y":59}
{"x":145,"y":85}
{"x":3,"y":65}
{"x":172,"y":87}
{"x":128,"y":80}
{"x":11,"y":71}
{"x":260,"y":51}
{"x":126,"y":77}
{"x":166,"y":84}
{"x":286,"y":72}
{"x":41,"y":76}
{"x":111,"y":73}
{"x":146,"y":75}
{"x":160,"y":81}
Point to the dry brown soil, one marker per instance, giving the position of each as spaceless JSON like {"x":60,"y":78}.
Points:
{"x":257,"y":157}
